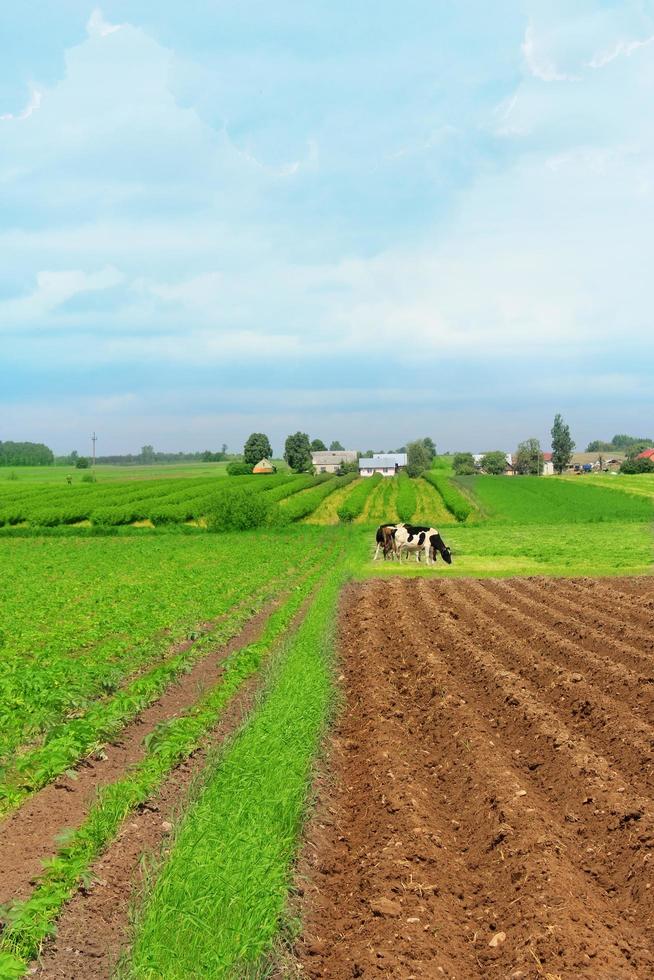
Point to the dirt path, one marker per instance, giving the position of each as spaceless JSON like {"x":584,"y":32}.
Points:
{"x":489,"y":813}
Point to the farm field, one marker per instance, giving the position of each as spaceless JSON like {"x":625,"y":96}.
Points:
{"x":642,"y":485}
{"x":551,"y":500}
{"x":165,"y":692}
{"x":489,"y":807}
{"x":57,"y":474}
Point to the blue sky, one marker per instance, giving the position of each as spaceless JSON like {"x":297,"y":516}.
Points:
{"x":368,"y":221}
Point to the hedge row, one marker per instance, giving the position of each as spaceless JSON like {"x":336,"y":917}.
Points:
{"x":406,"y":497}
{"x":453,"y":499}
{"x":355,"y":501}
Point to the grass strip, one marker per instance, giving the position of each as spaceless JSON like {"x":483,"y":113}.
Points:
{"x":218,"y":901}
{"x":407,"y":500}
{"x":28,"y":923}
{"x":453,"y":499}
{"x":354,"y":503}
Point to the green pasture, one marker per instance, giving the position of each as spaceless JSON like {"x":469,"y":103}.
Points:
{"x":551,"y":500}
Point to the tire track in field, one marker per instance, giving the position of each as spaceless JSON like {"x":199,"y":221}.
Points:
{"x":538,"y":837}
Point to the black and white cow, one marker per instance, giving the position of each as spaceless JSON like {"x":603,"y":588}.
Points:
{"x":412,"y":537}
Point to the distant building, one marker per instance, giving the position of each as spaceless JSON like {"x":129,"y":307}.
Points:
{"x":263,"y":466}
{"x":328,"y":461}
{"x":388,"y":464}
{"x":646,"y":454}
{"x":594,"y":462}
{"x":548,"y":465}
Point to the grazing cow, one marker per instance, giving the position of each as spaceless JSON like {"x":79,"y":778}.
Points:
{"x":385,"y":538}
{"x":410,"y":537}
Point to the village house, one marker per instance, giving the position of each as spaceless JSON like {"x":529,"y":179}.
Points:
{"x":329,"y":461}
{"x":388,"y":464}
{"x":646,"y":454}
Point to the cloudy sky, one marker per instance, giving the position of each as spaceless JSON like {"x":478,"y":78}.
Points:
{"x":369,"y":221}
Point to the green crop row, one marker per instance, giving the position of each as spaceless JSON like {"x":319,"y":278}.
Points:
{"x":29,"y":922}
{"x":406,"y":497}
{"x":302,"y":504}
{"x":246,"y":822}
{"x":354,"y":503}
{"x":119,"y":504}
{"x":453,"y":499}
{"x":79,"y":617}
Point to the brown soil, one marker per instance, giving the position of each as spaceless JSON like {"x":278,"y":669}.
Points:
{"x":28,"y":836}
{"x":489,"y":811}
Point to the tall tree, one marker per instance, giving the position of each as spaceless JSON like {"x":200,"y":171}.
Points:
{"x":147,"y":454}
{"x":256,"y":448}
{"x":318,"y":446}
{"x":562,"y":444}
{"x":336,"y":447}
{"x":529,"y":458}
{"x":463,"y":464}
{"x":418,"y":458}
{"x":430,"y":446}
{"x":297,"y":452}
{"x":494,"y":462}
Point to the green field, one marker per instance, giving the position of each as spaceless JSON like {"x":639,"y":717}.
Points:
{"x":104,"y":472}
{"x":98,"y":618}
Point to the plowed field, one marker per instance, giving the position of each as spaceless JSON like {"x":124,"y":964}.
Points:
{"x":489,"y":805}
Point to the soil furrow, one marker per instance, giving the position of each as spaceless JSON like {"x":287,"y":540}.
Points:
{"x":636,"y":650}
{"x":530,"y":854}
{"x":561,"y":762}
{"x":599,"y":710}
{"x":604,"y":605}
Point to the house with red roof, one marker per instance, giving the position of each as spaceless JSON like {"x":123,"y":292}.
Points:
{"x":646,"y":454}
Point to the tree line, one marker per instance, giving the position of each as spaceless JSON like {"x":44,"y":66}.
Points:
{"x":529,"y":459}
{"x":25,"y":454}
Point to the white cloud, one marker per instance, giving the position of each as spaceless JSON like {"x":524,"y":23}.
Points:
{"x":33,"y":105}
{"x":538,"y":63}
{"x":53,"y":289}
{"x":97,"y":26}
{"x":621,"y":48}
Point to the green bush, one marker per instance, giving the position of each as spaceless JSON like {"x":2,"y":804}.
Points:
{"x":637,"y":466}
{"x":354,"y":503}
{"x":455,"y":502}
{"x":237,"y":510}
{"x":238,"y":469}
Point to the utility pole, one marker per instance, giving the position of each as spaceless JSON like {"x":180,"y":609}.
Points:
{"x":94,"y":439}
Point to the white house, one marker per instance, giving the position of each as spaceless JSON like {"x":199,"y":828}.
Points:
{"x":328,"y":461}
{"x":387,"y":464}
